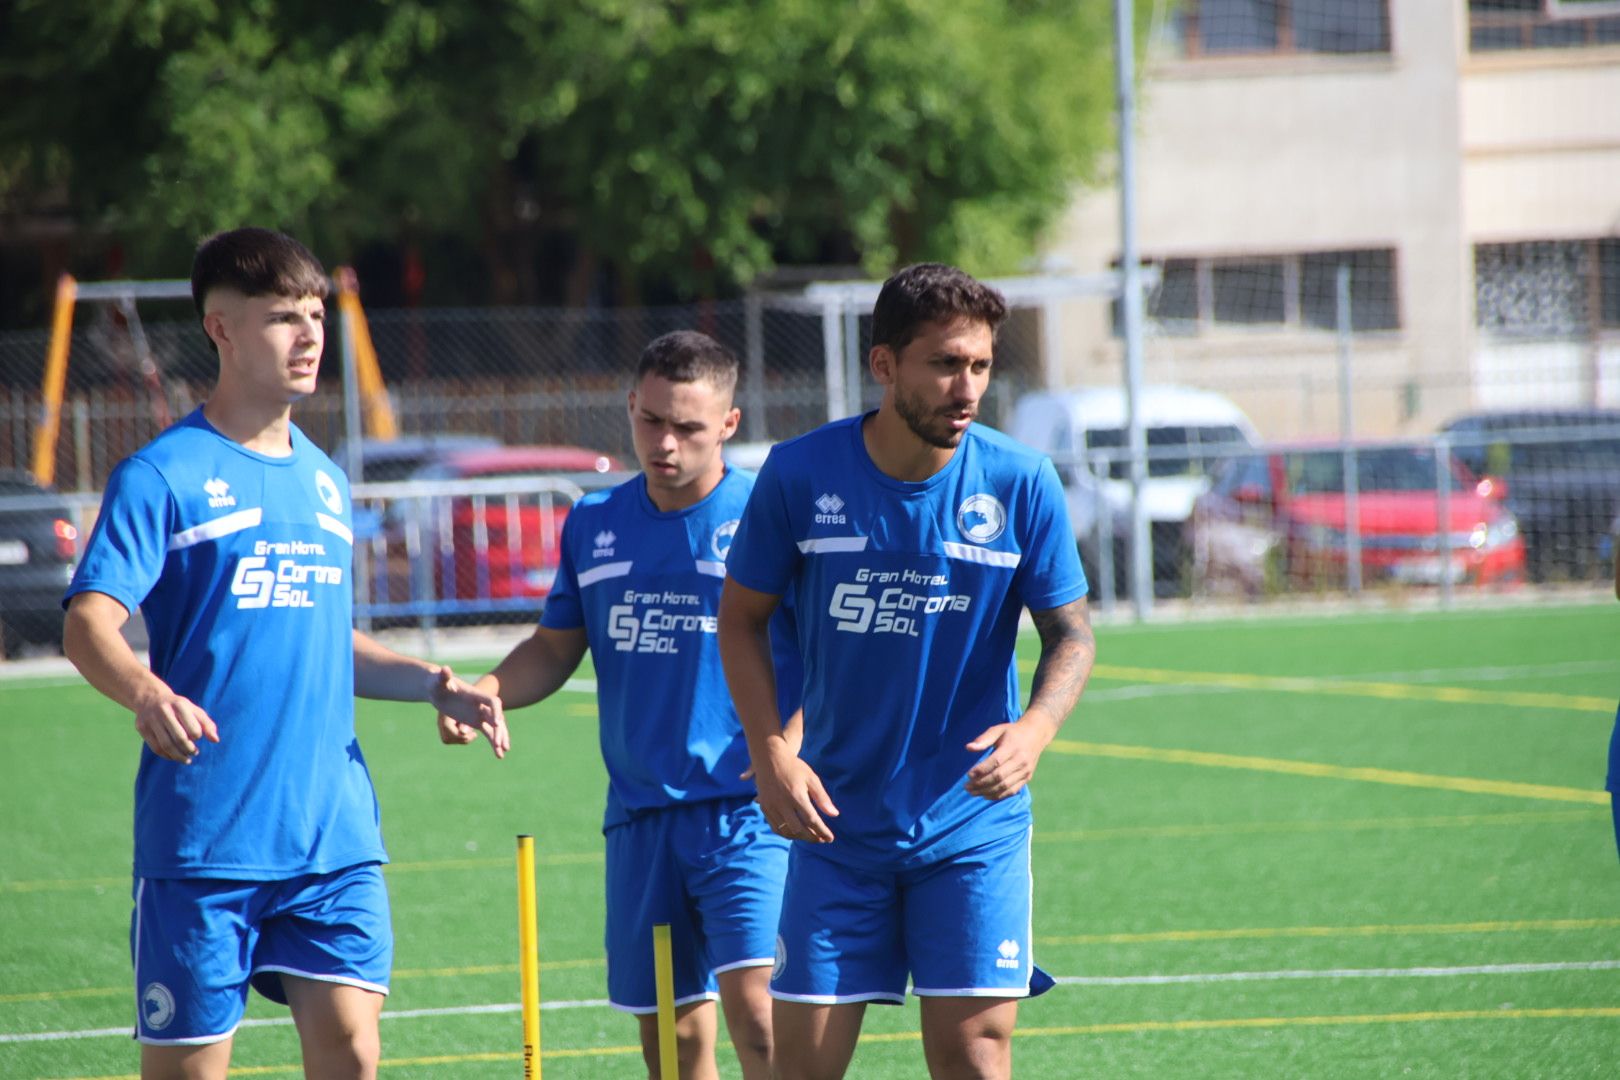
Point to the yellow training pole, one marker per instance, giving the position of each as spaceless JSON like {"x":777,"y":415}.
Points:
{"x":55,"y":382}
{"x":669,"y":1066}
{"x":528,"y":957}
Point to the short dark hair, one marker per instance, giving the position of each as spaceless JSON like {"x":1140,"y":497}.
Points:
{"x":932,"y":292}
{"x":685,"y":356}
{"x":256,"y":262}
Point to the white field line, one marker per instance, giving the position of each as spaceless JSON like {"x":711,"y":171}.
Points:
{"x":1336,"y":973}
{"x":1063,"y":980}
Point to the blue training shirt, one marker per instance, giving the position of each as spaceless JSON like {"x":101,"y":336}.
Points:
{"x":907,"y":598}
{"x":645,"y":585}
{"x":241,"y":565}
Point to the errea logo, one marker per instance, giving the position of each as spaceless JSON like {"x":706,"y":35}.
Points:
{"x":219,"y":493}
{"x":1009,"y":954}
{"x":828,"y":506}
{"x":604,"y":544}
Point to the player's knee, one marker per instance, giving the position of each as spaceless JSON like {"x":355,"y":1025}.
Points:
{"x":344,"y":1052}
{"x":751,"y":1035}
{"x":982,"y":1054}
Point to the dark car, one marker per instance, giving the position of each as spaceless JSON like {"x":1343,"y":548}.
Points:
{"x":39,"y":544}
{"x":1560,"y":469}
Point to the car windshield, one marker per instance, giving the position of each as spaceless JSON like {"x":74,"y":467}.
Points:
{"x":1173,"y":450}
{"x":1385,"y":469}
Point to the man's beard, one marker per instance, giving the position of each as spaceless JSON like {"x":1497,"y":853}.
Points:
{"x":918,"y":418}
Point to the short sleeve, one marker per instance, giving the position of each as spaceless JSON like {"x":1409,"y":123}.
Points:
{"x":127,"y":549}
{"x":764,"y":556}
{"x":563,"y":610}
{"x":1050,"y":574}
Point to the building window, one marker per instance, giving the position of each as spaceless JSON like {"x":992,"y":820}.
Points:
{"x":1547,"y":289}
{"x":1249,"y":27}
{"x":1297,"y":291}
{"x":1494,"y":25}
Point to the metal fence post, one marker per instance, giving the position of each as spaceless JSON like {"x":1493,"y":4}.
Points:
{"x":1442,"y":488}
{"x":1347,"y":426}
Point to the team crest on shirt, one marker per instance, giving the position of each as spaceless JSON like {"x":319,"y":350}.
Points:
{"x":219,"y":493}
{"x":327,"y":489}
{"x":981,"y":518}
{"x":720,"y":542}
{"x":157,"y":1006}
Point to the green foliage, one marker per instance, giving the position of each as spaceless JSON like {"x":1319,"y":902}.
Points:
{"x":691,"y":143}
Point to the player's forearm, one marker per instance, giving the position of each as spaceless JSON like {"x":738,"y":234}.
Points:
{"x":1068,"y":651}
{"x":745,"y":654}
{"x":107,"y":663}
{"x":537,"y":668}
{"x":382,"y":674}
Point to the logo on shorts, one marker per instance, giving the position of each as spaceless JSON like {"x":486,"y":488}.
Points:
{"x":781,"y":958}
{"x":157,"y":1006}
{"x":327,"y":489}
{"x":1009,"y":954}
{"x":981,"y":518}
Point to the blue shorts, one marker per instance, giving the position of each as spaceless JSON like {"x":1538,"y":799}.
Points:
{"x":959,"y":927}
{"x":713,"y":870}
{"x":198,"y":943}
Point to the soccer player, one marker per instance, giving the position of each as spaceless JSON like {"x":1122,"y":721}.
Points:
{"x":638,"y":584}
{"x":257,"y":849}
{"x":909,"y":541}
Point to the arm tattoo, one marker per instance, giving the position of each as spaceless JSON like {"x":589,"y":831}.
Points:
{"x":1068,"y":649}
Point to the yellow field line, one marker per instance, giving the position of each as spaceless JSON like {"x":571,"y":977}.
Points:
{"x":1394,"y":691}
{"x":1511,"y":788}
{"x":1132,"y":1027}
{"x":1259,"y":933}
{"x":1243,"y":828}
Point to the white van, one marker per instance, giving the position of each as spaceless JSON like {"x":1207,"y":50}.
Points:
{"x":1083,"y":431}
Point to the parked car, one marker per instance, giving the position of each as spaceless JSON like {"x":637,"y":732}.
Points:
{"x":39,"y":545}
{"x":385,"y":460}
{"x":1188,"y":431}
{"x":488,"y":543}
{"x":1559,"y":470}
{"x":1280,"y":520}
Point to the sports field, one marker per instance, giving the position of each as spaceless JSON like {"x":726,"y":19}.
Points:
{"x":1365,"y":845}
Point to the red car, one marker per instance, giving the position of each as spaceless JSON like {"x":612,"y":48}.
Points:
{"x":478,"y":532}
{"x":1278,"y":520}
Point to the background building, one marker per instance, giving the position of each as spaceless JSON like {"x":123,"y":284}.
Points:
{"x":1462,"y":158}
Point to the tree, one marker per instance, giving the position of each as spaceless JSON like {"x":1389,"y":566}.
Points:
{"x":686,"y":143}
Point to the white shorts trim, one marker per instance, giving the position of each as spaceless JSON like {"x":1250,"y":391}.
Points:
{"x":648,"y":1010}
{"x":840,"y":999}
{"x":195,"y":1040}
{"x":342,"y":980}
{"x":971,"y":992}
{"x":762,"y":961}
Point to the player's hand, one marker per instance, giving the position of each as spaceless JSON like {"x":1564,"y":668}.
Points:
{"x":171,"y":725}
{"x":791,"y":795}
{"x":1010,"y":766}
{"x":453,"y":732}
{"x":470,"y":708}
{"x":792,"y":734}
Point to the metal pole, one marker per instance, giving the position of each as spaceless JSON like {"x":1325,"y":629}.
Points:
{"x":852,"y":359}
{"x":754,"y":388}
{"x":1131,"y":308}
{"x":353,"y":433}
{"x":1347,"y":427}
{"x":832,"y":353}
{"x":1442,"y":487}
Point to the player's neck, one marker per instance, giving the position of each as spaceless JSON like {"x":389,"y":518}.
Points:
{"x":897,"y":451}
{"x":261,"y":426}
{"x":669,"y":500}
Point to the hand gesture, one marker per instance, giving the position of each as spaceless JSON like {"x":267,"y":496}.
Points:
{"x":465,"y":711}
{"x":791,"y":795}
{"x":1010,"y":766}
{"x":171,"y":726}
